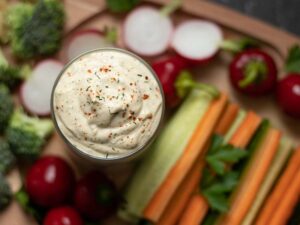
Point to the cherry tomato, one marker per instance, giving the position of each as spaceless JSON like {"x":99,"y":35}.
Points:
{"x":96,"y":196}
{"x":253,"y":72}
{"x":288,"y":94}
{"x":64,"y":215}
{"x":49,"y":182}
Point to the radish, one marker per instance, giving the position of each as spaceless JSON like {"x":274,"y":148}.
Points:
{"x":87,"y":40}
{"x":197,"y":40}
{"x":35,"y":93}
{"x":148,"y":31}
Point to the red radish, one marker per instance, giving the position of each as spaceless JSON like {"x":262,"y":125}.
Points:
{"x":64,"y":215}
{"x":197,"y":40}
{"x":288,"y":94}
{"x":86,"y":40}
{"x":253,"y":72}
{"x":96,"y":196}
{"x":50,"y":181}
{"x":35,"y":93}
{"x":167,"y":71}
{"x":147,"y":31}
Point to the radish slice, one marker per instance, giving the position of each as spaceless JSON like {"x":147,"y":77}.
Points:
{"x":197,"y":40}
{"x":35,"y":93}
{"x":147,"y":32}
{"x":86,"y":40}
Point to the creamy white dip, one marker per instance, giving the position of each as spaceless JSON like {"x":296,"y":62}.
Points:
{"x":107,"y":103}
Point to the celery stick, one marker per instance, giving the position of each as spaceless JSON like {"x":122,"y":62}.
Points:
{"x":236,"y":123}
{"x":163,"y":154}
{"x":278,"y":163}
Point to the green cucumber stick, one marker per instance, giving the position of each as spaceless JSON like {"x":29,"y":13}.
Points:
{"x":282,"y":155}
{"x":163,"y":154}
{"x":236,"y":123}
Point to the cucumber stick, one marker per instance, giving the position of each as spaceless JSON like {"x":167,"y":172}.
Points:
{"x":277,"y":165}
{"x":163,"y":154}
{"x":236,"y":123}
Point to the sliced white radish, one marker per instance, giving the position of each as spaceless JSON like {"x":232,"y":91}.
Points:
{"x":197,"y":40}
{"x":35,"y":93}
{"x":147,"y":32}
{"x":86,"y":40}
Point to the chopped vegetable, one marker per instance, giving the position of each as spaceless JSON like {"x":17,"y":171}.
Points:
{"x":7,"y":159}
{"x":6,"y":107}
{"x":195,"y":211}
{"x":26,"y":135}
{"x":163,"y":154}
{"x":279,"y":192}
{"x":197,"y":40}
{"x":118,"y":6}
{"x":87,"y":40}
{"x":253,"y":72}
{"x":36,"y":30}
{"x":35,"y":92}
{"x":252,"y":178}
{"x":193,"y":150}
{"x":278,"y":163}
{"x":5,"y":193}
{"x":228,"y":118}
{"x":10,"y":75}
{"x":285,"y":208}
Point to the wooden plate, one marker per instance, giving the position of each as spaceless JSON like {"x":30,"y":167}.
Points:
{"x":93,"y":14}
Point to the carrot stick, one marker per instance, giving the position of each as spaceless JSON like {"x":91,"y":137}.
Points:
{"x":278,"y":194}
{"x":227,"y":118}
{"x":245,"y":194}
{"x":284,"y":210}
{"x":194,"y":148}
{"x":195,"y":211}
{"x":246,"y":130}
{"x":182,"y":196}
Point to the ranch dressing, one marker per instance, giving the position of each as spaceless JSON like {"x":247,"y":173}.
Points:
{"x":107,"y":103}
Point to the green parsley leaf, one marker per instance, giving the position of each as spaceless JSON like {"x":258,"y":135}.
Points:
{"x":119,"y":6}
{"x":292,"y":63}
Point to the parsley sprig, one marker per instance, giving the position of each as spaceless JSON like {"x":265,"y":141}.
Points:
{"x":218,"y":180}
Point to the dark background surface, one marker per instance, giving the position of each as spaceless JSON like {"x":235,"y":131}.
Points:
{"x":281,"y":13}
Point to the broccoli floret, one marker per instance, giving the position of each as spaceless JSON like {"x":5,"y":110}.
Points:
{"x":5,"y":192}
{"x":26,"y":135}
{"x":10,"y":75}
{"x":6,"y":106}
{"x":36,"y":30}
{"x":7,"y":159}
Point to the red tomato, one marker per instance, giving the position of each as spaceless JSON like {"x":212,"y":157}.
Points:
{"x":64,"y":215}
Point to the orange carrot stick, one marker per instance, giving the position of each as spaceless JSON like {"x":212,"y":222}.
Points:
{"x":246,"y":130}
{"x":193,"y":150}
{"x":195,"y":211}
{"x":284,"y":210}
{"x":182,"y":196}
{"x":227,"y":118}
{"x":278,"y":194}
{"x":245,"y":194}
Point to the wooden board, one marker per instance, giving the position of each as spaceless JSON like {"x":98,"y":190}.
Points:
{"x":92,"y":14}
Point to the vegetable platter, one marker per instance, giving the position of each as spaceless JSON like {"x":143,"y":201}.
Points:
{"x":88,"y":21}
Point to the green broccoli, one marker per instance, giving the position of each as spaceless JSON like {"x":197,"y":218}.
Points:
{"x":5,"y":192}
{"x":7,"y":158}
{"x":26,"y":135}
{"x":6,"y":106}
{"x":10,"y":75}
{"x":36,"y":30}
